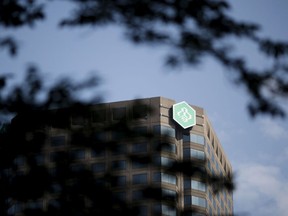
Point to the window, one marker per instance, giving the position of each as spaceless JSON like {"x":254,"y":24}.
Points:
{"x":119,"y":181}
{"x":78,"y":154}
{"x":137,"y":195}
{"x":119,"y":113}
{"x":195,"y":185}
{"x":98,"y":167}
{"x":168,"y":210}
{"x":199,"y":201}
{"x":139,"y":178}
{"x":166,"y":147}
{"x":194,"y":200}
{"x":139,"y":165}
{"x":57,"y":141}
{"x":97,"y":153}
{"x":141,"y":130}
{"x":139,"y":147}
{"x":119,"y":165}
{"x":163,"y":161}
{"x":194,"y":138}
{"x":162,"y":209}
{"x":192,"y":153}
{"x":164,"y":130}
{"x":99,"y":137}
{"x":197,"y":154}
{"x":169,"y":194}
{"x":164,"y":177}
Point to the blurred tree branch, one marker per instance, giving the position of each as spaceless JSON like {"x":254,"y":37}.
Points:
{"x":192,"y":29}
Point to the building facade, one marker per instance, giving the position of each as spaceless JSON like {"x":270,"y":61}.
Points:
{"x":198,"y":143}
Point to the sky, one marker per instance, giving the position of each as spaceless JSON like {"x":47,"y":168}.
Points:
{"x":257,"y":148}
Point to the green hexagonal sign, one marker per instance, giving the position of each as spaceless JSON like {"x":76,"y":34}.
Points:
{"x":184,"y":114}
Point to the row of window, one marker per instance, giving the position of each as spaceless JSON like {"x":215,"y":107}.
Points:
{"x":142,"y":178}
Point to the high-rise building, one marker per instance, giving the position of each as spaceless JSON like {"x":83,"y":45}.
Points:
{"x":189,"y":135}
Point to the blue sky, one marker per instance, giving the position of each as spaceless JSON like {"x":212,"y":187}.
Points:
{"x":257,"y":148}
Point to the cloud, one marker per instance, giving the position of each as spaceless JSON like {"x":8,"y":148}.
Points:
{"x":273,"y":129}
{"x":262,"y":190}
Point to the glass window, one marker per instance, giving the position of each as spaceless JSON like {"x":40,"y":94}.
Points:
{"x":119,"y":181}
{"x":196,"y":185}
{"x":137,"y":195}
{"x":197,"y":154}
{"x":78,"y":154}
{"x":139,"y":178}
{"x":99,"y":137}
{"x":167,"y":178}
{"x":168,"y":210}
{"x":139,"y":147}
{"x":164,"y":177}
{"x":57,"y":141}
{"x":186,"y":153}
{"x":119,"y":165}
{"x":163,"y":161}
{"x":119,"y":113}
{"x":156,"y":177}
{"x":169,"y":194}
{"x":192,"y":153}
{"x":141,"y":129}
{"x":164,"y":130}
{"x":194,"y":200}
{"x":194,"y":138}
{"x":166,"y":147}
{"x":97,"y":153}
{"x":98,"y":167}
{"x":139,"y":165}
{"x":199,"y":201}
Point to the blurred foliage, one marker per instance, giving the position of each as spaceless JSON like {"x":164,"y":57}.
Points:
{"x":25,"y":178}
{"x":192,"y":29}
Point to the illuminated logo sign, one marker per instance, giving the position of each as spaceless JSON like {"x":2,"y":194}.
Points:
{"x":184,"y":115}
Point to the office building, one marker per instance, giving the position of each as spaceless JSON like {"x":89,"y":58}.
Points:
{"x":189,"y":135}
